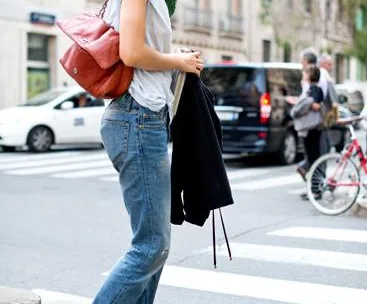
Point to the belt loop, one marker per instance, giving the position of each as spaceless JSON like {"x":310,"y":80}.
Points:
{"x":127,"y":100}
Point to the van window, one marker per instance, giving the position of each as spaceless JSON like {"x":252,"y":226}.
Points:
{"x":235,"y":85}
{"x":285,"y":82}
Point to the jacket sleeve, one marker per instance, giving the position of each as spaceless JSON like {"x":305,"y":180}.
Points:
{"x":301,"y":108}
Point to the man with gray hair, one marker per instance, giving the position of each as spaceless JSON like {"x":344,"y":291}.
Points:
{"x":325,"y":63}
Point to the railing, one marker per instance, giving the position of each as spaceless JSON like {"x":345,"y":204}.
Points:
{"x":198,"y":19}
{"x":230,"y":25}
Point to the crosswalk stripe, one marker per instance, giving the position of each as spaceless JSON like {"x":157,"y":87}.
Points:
{"x":232,"y":175}
{"x":110,"y":179}
{"x":55,"y":161}
{"x":243,"y":173}
{"x":267,"y":183}
{"x":52,"y":297}
{"x":334,"y":234}
{"x":260,"y":287}
{"x":87,"y":173}
{"x":292,"y":255}
{"x":51,"y":155}
{"x":297,"y":191}
{"x":61,"y":168}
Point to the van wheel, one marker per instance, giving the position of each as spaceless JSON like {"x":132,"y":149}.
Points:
{"x":288,"y":149}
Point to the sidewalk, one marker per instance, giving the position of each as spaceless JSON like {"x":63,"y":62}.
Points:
{"x":10,"y":295}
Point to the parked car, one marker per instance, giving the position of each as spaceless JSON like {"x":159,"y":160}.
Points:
{"x":251,"y":102}
{"x":65,"y":115}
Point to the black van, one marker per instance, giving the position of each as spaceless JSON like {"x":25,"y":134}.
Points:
{"x":251,"y":102}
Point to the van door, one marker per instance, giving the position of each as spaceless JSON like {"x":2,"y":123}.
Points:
{"x":283,"y":84}
{"x":238,"y":91}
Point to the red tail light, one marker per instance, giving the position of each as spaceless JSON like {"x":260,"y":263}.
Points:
{"x":265,"y":108}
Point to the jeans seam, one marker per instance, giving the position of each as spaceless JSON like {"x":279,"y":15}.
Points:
{"x":141,"y":159}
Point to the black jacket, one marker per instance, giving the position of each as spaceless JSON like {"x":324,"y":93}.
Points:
{"x":198,"y":173}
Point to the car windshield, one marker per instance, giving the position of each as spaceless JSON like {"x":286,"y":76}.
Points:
{"x":43,"y":98}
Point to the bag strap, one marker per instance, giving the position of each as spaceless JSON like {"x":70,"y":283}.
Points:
{"x":103,"y":9}
{"x":214,"y":238}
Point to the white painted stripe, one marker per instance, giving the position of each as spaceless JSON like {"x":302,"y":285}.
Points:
{"x":61,"y":168}
{"x":243,"y":173}
{"x":334,"y":234}
{"x":55,"y":161}
{"x":51,"y":155}
{"x":300,"y":256}
{"x":86,"y":173}
{"x":297,"y":191}
{"x":52,"y":297}
{"x":110,"y":179}
{"x":271,"y":182}
{"x":261,"y":288}
{"x":232,"y":175}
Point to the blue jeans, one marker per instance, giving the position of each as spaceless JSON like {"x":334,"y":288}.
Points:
{"x":135,"y":139}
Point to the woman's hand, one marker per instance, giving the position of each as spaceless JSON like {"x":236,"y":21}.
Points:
{"x":315,"y":106}
{"x":190,"y":62}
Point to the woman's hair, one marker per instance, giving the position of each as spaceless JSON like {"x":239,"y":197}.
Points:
{"x":313,"y":72}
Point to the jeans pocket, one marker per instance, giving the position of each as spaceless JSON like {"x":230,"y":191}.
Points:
{"x":153,"y":119}
{"x":115,"y":137}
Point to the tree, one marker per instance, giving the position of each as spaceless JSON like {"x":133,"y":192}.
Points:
{"x":356,"y":11}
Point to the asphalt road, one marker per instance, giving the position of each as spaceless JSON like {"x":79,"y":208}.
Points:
{"x":63,"y":226}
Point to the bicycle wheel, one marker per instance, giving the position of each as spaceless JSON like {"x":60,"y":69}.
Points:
{"x":333,"y":184}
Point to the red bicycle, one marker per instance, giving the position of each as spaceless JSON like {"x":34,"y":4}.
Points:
{"x":334,"y":181}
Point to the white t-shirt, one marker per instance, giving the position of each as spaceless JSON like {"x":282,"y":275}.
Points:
{"x":324,"y":80}
{"x":150,"y":89}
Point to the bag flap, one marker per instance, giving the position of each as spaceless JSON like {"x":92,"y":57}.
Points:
{"x":95,"y":36}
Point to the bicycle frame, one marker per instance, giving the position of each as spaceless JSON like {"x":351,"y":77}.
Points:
{"x":353,"y":149}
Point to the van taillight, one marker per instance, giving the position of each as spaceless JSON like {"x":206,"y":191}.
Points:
{"x":265,"y":108}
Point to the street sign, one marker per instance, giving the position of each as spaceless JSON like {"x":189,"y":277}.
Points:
{"x":41,"y":18}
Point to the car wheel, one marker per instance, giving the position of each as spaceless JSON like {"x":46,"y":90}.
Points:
{"x":40,"y":139}
{"x":8,"y":148}
{"x":288,"y":149}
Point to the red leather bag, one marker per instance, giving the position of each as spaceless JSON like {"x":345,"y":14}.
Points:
{"x":93,"y":60}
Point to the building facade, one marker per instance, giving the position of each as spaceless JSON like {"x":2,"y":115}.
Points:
{"x":232,"y":30}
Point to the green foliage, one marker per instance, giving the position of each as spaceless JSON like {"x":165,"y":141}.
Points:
{"x":360,"y":46}
{"x":265,"y":12}
{"x":359,"y":49}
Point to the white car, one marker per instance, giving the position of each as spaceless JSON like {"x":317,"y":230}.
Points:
{"x":66,"y":115}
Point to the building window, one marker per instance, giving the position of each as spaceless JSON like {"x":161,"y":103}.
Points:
{"x":328,"y":10}
{"x":266,"y":50}
{"x":226,"y":58}
{"x":347,"y":67}
{"x":290,"y":4}
{"x":307,"y":5}
{"x":287,"y":53}
{"x":37,"y":47}
{"x":361,"y":18}
{"x":38,"y":64}
{"x":235,"y":7}
{"x":341,"y":11}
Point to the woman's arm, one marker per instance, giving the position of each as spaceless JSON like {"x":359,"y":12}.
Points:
{"x":134,"y":52}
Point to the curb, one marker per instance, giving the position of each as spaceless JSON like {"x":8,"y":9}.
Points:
{"x":10,"y":295}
